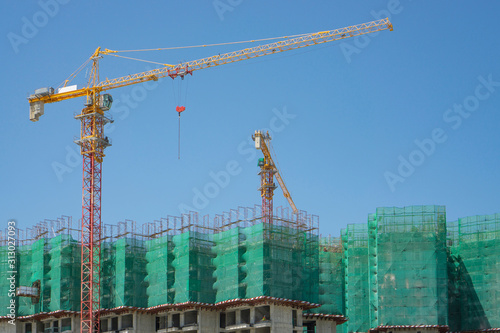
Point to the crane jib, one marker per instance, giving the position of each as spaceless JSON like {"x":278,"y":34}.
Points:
{"x":182,"y":69}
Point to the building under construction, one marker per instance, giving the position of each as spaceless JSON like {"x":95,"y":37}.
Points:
{"x":406,"y":269}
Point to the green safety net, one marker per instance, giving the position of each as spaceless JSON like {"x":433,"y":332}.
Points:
{"x":281,"y":262}
{"x":160,"y":272}
{"x":64,"y":274}
{"x":39,"y":272}
{"x":230,"y":269}
{"x":193,"y":267}
{"x":108,"y":276}
{"x":410,"y":283}
{"x":242,"y":262}
{"x":405,"y":266}
{"x":454,"y":321}
{"x":331,"y":277}
{"x":310,"y":268}
{"x":180,"y":269}
{"x":397,"y":268}
{"x":355,"y":244}
{"x":123,"y":273}
{"x":130,"y":271}
{"x":25,"y":304}
{"x":5,"y":298}
{"x":478,"y":271}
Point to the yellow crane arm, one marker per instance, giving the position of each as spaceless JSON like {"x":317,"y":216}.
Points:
{"x":185,"y":68}
{"x":269,"y":159}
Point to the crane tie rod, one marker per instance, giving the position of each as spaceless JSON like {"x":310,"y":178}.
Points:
{"x":205,"y":45}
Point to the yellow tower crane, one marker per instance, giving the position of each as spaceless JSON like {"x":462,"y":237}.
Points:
{"x":93,"y":141}
{"x":269,"y":169}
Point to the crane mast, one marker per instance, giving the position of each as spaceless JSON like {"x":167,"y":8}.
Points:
{"x":92,"y":140}
{"x":92,"y":144}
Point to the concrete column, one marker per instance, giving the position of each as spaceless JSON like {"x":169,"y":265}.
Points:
{"x":144,"y":322}
{"x":38,"y":327}
{"x":238,"y":316}
{"x":208,"y":321}
{"x":281,"y":319}
{"x":326,"y":326}
{"x":252,"y":315}
{"x":299,"y":317}
{"x":8,"y":328}
{"x":75,"y":324}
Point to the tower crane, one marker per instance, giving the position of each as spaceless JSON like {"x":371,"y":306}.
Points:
{"x":93,"y":142}
{"x":269,"y":169}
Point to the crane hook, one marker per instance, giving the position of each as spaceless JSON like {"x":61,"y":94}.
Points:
{"x":179,"y":109}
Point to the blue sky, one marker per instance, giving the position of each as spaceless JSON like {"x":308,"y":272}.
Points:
{"x":400,"y":118}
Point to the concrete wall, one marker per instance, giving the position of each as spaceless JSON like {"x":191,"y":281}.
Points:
{"x":7,"y":328}
{"x":326,"y":326}
{"x":19,"y":327}
{"x":37,"y":326}
{"x":144,"y":322}
{"x":281,"y":318}
{"x":75,"y":324}
{"x":208,"y":321}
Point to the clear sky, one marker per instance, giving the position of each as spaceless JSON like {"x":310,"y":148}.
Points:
{"x":400,"y":118}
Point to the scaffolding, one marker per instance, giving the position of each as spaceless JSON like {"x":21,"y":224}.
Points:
{"x":405,"y":266}
{"x":331,"y":276}
{"x":123,"y":266}
{"x":410,"y":260}
{"x":396,"y":269}
{"x":355,"y":246}
{"x":230,"y":270}
{"x":179,"y":260}
{"x":64,"y":273}
{"x":278,"y":259}
{"x":478,"y":268}
{"x":47,"y":260}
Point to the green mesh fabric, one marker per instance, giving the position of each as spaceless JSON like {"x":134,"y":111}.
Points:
{"x":454,"y":284}
{"x":123,"y":273}
{"x":310,"y":269}
{"x":40,"y":269}
{"x":64,"y":274}
{"x":254,"y":257}
{"x":355,"y":243}
{"x":25,"y":304}
{"x":281,"y":262}
{"x":405,"y":266}
{"x":229,"y":265}
{"x":397,"y":268}
{"x":4,"y":283}
{"x":331,"y":277}
{"x":193,"y":267}
{"x":108,"y":276}
{"x":411,"y":285}
{"x":130,"y":271}
{"x":160,"y":272}
{"x":478,"y":270}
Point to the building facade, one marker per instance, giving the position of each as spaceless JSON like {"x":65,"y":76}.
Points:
{"x":405,"y":269}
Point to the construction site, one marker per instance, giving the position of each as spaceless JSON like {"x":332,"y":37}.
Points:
{"x":260,"y":269}
{"x":404,"y":270}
